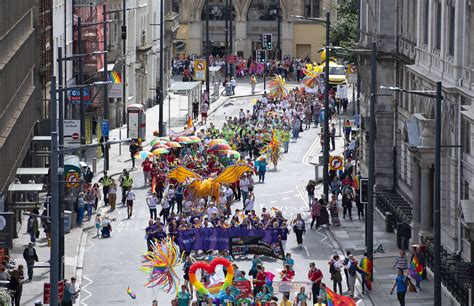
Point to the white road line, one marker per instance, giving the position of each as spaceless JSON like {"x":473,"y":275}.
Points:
{"x":277,"y":193}
{"x":274,"y":201}
{"x":287,"y":198}
{"x":83,"y":289}
{"x":318,"y":231}
{"x":306,"y":249}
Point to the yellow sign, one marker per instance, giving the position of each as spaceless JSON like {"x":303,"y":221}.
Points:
{"x":336,"y":163}
{"x":352,"y":74}
{"x":72,"y":179}
{"x":200,"y":70}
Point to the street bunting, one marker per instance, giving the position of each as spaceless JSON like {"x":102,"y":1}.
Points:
{"x":200,"y":70}
{"x":336,"y":163}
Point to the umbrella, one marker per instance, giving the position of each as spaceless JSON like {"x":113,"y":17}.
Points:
{"x":233,"y":153}
{"x":182,"y":139}
{"x":217,"y":141}
{"x":143,"y":155}
{"x":159,"y":146}
{"x":160,"y":151}
{"x":173,"y":144}
{"x":220,"y":147}
{"x":195,"y":139}
{"x":159,"y":140}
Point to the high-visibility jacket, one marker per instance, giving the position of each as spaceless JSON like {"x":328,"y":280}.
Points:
{"x":127,"y":181}
{"x":106,"y":181}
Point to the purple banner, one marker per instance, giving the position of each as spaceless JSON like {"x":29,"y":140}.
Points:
{"x":218,"y":238}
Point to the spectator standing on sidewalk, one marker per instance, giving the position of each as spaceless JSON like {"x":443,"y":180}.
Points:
{"x":401,"y":283}
{"x":233,"y":82}
{"x":30,"y":256}
{"x":33,"y":226}
{"x":15,"y":285}
{"x":204,"y":109}
{"x":352,"y":271}
{"x":253,"y":83}
{"x":130,"y":198}
{"x":335,"y":270}
{"x":133,"y":149}
{"x":195,"y":109}
{"x":310,"y":187}
{"x":332,"y":137}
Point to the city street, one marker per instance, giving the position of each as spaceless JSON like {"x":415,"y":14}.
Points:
{"x":112,"y":265}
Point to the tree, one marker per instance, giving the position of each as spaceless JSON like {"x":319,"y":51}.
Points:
{"x":345,"y":30}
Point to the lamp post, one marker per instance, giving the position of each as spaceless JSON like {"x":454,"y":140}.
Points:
{"x":161,"y":127}
{"x":438,"y":95}
{"x":208,"y":50}
{"x":231,"y":37}
{"x":106,"y":91}
{"x":227,"y":14}
{"x":327,"y":22}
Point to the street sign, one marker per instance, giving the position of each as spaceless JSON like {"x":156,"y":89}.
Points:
{"x":341,"y":92}
{"x":72,"y":133}
{"x":200,"y":70}
{"x":105,"y":128}
{"x":260,"y":56}
{"x":72,"y":179}
{"x":75,"y":95}
{"x":336,"y":162}
{"x":364,"y":190}
{"x":47,"y":292}
{"x":352,"y":74}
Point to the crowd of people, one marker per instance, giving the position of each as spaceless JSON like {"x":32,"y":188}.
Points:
{"x":289,"y":68}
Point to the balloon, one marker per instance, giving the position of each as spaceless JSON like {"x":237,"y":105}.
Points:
{"x":210,"y":268}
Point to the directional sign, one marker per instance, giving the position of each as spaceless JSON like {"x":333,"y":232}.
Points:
{"x":72,"y":132}
{"x":336,"y":162}
{"x":105,"y":128}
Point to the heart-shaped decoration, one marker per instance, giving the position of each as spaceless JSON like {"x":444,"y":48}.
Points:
{"x":211,"y":269}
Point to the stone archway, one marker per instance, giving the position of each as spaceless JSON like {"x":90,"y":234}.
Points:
{"x":201,"y":3}
{"x":246,"y":6}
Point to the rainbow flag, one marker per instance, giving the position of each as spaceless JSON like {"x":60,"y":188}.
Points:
{"x":131,"y":293}
{"x":274,"y":209}
{"x":115,"y":77}
{"x":366,"y":267}
{"x":334,"y":299}
{"x":416,"y":269}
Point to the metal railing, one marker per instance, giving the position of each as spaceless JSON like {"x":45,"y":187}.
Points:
{"x":393,"y":202}
{"x":459,"y":290}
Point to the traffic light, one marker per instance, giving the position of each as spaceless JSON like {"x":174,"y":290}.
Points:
{"x":260,"y":56}
{"x":267,"y":41}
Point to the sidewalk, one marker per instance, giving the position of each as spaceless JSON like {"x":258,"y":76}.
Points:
{"x":350,"y":236}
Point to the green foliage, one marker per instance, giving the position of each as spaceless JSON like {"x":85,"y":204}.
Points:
{"x":345,"y":31}
{"x":5,"y":298}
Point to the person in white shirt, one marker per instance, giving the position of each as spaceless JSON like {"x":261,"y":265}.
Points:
{"x":187,"y":207}
{"x":152,"y":201}
{"x":130,"y":196}
{"x":244,"y":187}
{"x":212,"y":209}
{"x":249,"y":203}
{"x":233,"y":82}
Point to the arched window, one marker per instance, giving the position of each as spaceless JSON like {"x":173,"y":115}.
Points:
{"x":263,"y":10}
{"x":217,"y":10}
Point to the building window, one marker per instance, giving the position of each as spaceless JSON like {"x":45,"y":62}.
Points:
{"x":263,"y":10}
{"x":175,"y":6}
{"x":312,"y":8}
{"x":452,"y":16}
{"x":466,"y":136}
{"x":217,"y":10}
{"x":426,"y":12}
{"x":438,"y":26}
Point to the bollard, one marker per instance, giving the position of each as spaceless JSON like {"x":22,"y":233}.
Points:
{"x":94,"y":165}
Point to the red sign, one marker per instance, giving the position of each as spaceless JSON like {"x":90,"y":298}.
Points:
{"x":232,"y":59}
{"x":47,"y":292}
{"x":75,"y":136}
{"x":244,"y":288}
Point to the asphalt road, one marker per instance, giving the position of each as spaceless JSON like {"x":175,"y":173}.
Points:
{"x":112,"y":265}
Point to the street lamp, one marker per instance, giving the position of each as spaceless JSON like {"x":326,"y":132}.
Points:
{"x":327,"y":21}
{"x":437,"y":188}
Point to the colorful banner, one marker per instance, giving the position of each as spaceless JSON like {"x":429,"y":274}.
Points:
{"x":218,"y":238}
{"x":244,"y":287}
{"x":244,"y":245}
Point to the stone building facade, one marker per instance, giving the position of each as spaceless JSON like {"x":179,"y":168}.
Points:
{"x":251,"y":18}
{"x":20,"y":90}
{"x":420,"y":43}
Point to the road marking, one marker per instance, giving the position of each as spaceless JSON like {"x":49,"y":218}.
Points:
{"x":83,"y":288}
{"x":306,"y":249}
{"x":277,"y":193}
{"x":310,"y":151}
{"x":287,"y":198}
{"x":318,"y":231}
{"x":274,"y":201}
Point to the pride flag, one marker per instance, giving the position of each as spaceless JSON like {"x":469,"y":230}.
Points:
{"x":115,"y":77}
{"x":366,"y":269}
{"x":416,"y":269}
{"x":131,"y":293}
{"x":334,"y":299}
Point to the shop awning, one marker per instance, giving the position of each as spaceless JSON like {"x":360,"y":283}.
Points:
{"x":32,"y":171}
{"x":25,"y":187}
